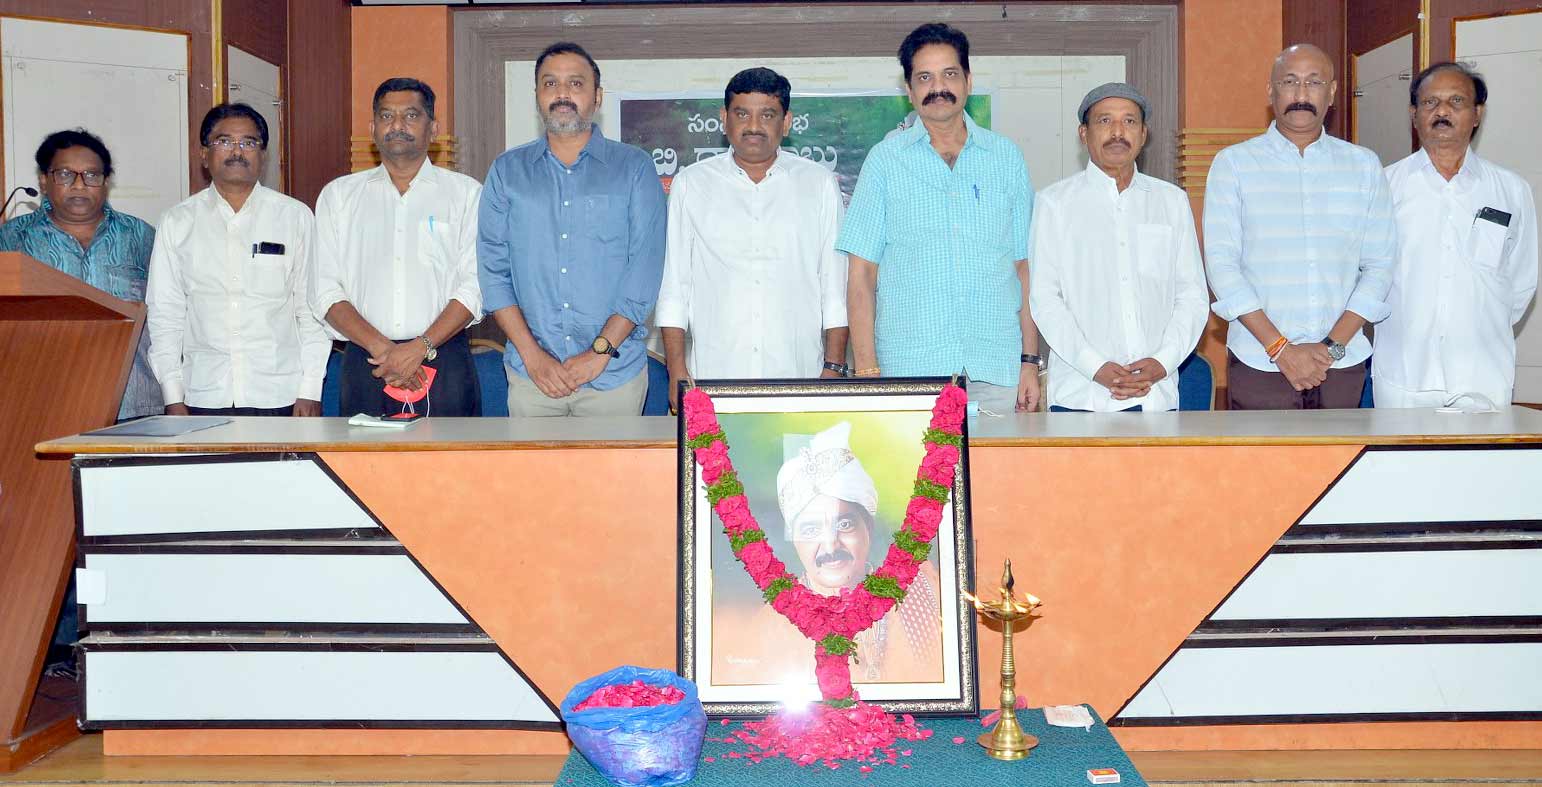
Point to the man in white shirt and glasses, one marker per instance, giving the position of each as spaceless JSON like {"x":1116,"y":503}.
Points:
{"x":231,"y":331}
{"x":751,"y":272}
{"x":1466,"y":260}
{"x":396,"y":265}
{"x":1117,"y":287}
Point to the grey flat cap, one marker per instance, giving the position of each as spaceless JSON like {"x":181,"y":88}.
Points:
{"x":1114,"y":90}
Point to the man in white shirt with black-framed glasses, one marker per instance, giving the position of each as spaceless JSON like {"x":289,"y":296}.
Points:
{"x":751,"y":271}
{"x":1466,"y":265}
{"x":231,"y":329}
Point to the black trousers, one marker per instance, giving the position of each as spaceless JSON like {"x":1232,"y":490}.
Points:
{"x":243,"y":411}
{"x":454,"y":393}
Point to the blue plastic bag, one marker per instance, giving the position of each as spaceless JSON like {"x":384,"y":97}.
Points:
{"x":653,"y":746}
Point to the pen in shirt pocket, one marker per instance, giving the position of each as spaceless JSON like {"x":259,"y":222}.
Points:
{"x":977,"y":192}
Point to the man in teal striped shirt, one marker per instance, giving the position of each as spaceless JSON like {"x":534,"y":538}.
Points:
{"x":77,"y":232}
{"x":937,"y":234}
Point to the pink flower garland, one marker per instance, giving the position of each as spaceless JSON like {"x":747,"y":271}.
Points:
{"x":831,"y":621}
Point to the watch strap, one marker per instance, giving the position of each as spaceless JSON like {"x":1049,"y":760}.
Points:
{"x":839,"y":368}
{"x":1036,"y":360}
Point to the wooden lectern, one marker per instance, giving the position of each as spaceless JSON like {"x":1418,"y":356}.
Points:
{"x":66,"y":349}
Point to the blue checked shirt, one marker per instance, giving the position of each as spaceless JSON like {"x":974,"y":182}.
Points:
{"x":946,"y":242}
{"x":570,"y":246}
{"x":117,"y":262}
{"x":1303,"y":237}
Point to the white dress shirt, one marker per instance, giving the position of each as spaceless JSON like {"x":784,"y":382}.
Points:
{"x":1460,"y":285}
{"x":230,"y":326}
{"x":751,"y":268}
{"x":1115,"y":276}
{"x":398,"y":258}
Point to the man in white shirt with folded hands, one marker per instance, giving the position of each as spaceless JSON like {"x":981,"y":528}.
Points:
{"x":231,"y":330}
{"x":1466,"y":264}
{"x":1117,"y":286}
{"x":750,"y":265}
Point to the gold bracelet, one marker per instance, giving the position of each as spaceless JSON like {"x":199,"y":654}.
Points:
{"x":872,"y":372}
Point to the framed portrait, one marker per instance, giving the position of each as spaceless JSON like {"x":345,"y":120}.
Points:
{"x":828,"y":468}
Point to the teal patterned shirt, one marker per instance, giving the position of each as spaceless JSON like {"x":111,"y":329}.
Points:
{"x":946,"y":242}
{"x":117,"y":262}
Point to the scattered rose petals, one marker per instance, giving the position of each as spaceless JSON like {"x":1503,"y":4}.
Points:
{"x":826,"y":736}
{"x":724,"y":722}
{"x":958,"y":739}
{"x":631,"y":695}
{"x":866,"y":769}
{"x":709,"y":759}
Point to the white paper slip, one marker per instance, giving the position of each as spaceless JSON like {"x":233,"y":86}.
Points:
{"x":1068,"y":716}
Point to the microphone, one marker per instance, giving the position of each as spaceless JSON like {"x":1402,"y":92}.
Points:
{"x":31,"y":192}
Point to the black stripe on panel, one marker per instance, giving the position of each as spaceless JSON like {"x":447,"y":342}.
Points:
{"x":1331,"y":639}
{"x":1363,"y":529}
{"x":213,"y":644}
{"x":1455,"y":447}
{"x":297,"y":547}
{"x":1352,"y":624}
{"x":364,"y":536}
{"x":203,"y":628}
{"x":1396,"y":544}
{"x":1323,"y":718}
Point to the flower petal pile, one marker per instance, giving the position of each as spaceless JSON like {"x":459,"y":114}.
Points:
{"x":827,"y":736}
{"x":631,"y":695}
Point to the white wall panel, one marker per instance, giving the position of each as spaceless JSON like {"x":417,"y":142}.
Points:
{"x":265,"y":588}
{"x":216,"y":496}
{"x":1435,"y":486}
{"x":1445,"y":583}
{"x":317,"y":685}
{"x":1344,"y":679}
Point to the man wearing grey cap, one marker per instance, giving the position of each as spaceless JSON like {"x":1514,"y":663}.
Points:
{"x":1117,"y":286}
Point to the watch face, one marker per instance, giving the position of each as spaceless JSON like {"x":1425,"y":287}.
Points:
{"x":600,"y":345}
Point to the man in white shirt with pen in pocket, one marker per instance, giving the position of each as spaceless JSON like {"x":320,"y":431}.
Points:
{"x":1466,"y":264}
{"x":396,"y":265}
{"x":750,"y":265}
{"x":231,"y":330}
{"x":1117,"y":286}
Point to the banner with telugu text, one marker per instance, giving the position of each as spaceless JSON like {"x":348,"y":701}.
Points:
{"x":834,"y":129}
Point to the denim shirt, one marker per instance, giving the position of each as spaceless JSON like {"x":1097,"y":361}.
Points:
{"x":117,"y":262}
{"x":572,"y":245}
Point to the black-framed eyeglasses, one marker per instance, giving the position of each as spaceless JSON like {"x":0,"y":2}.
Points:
{"x":226,"y":143}
{"x":66,"y":177}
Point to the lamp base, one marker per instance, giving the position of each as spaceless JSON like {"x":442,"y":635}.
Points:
{"x":1008,"y":750}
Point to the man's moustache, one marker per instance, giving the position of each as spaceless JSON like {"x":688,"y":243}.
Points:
{"x":556,"y":104}
{"x":1443,"y":122}
{"x":236,"y":160}
{"x":830,"y":557}
{"x":1116,"y":143}
{"x":941,"y":95}
{"x":400,"y":135}
{"x":1303,"y":106}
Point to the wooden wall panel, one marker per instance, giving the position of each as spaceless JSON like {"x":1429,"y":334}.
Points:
{"x":1324,"y":23}
{"x":1371,"y":23}
{"x":317,"y":94}
{"x":258,"y":27}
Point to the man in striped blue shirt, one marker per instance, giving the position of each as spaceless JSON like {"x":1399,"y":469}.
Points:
{"x":937,"y":234}
{"x":1299,"y":244}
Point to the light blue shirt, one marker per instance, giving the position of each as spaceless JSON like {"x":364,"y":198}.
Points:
{"x":572,"y":245}
{"x":946,"y":242}
{"x":1303,"y":236}
{"x":116,"y":262}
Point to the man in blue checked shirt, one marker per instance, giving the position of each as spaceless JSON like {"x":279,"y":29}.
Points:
{"x":571,"y":252}
{"x":1299,"y":243}
{"x":937,"y":233}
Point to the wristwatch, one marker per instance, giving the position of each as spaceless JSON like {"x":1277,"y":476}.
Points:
{"x":429,"y":353}
{"x":1033,"y":359}
{"x":603,"y":346}
{"x":839,"y":368}
{"x":1335,"y":350}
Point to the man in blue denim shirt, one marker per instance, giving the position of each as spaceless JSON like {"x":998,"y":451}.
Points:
{"x":77,"y":232}
{"x":570,"y":252}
